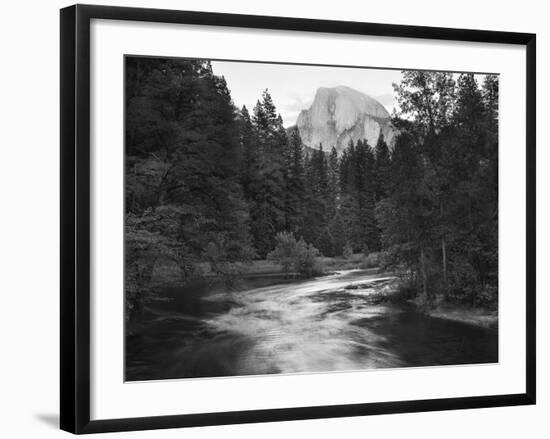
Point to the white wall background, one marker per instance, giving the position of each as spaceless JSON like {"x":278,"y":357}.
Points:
{"x":29,"y":249}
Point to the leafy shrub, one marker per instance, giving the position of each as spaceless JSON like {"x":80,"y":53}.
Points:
{"x":303,"y":257}
{"x":145,"y":245}
{"x":285,"y":250}
{"x":487,"y":297}
{"x":227,"y":258}
{"x":371,"y":261}
{"x":306,"y":260}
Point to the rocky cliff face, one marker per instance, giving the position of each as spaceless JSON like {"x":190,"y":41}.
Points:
{"x":341,"y":114}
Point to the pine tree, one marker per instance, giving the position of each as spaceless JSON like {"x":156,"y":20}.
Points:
{"x":490,"y":97}
{"x":365,"y":187}
{"x":348,"y":198}
{"x":335,"y":222}
{"x":249,"y":143}
{"x":268,"y":188}
{"x":333,"y":170}
{"x":401,"y":216}
{"x":322,"y":171}
{"x":381,"y":168}
{"x":295,"y":185}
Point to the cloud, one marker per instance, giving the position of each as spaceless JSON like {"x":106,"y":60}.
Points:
{"x":387,"y":100}
{"x":292,"y":108}
{"x":297,"y":102}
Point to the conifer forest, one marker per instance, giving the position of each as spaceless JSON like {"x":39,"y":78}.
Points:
{"x":356,"y":236}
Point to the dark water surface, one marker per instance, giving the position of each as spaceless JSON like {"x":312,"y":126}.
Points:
{"x":273,"y":325}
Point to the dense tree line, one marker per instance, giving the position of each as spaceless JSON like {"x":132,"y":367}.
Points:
{"x":209,"y":183}
{"x":184,"y":199}
{"x":439,"y":219}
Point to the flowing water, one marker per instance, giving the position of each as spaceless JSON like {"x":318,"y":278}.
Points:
{"x":276,"y":325}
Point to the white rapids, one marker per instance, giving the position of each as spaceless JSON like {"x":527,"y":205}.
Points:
{"x":309,"y":326}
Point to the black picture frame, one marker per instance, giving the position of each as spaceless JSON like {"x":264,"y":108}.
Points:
{"x":75,"y":217}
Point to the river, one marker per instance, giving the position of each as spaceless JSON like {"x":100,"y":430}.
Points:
{"x":277,"y":325}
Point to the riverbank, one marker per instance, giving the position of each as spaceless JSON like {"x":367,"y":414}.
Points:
{"x":350,"y":320}
{"x":386,"y":290}
{"x":266,"y":267}
{"x":383,"y":290}
{"x":481,"y":317}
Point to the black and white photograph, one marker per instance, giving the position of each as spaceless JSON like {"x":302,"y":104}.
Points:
{"x":286,"y":218}
{"x":275,"y":219}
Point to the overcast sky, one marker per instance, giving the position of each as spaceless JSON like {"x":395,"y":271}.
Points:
{"x":293,"y":87}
